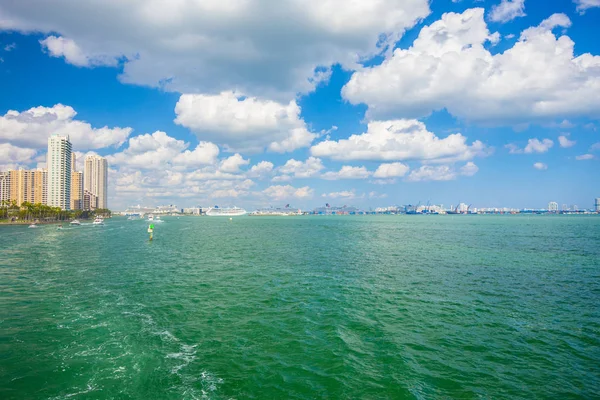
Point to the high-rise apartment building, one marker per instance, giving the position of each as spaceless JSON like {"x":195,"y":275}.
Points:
{"x":96,"y":179}
{"x":21,"y":186}
{"x":59,"y":172}
{"x":76,"y":190}
{"x":30,"y":186}
{"x":40,"y":186}
{"x":597,"y":204}
{"x":553,"y":206}
{"x":4,"y":186}
{"x":90,"y":201}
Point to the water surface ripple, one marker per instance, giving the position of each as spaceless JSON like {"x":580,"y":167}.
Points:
{"x":390,"y":307}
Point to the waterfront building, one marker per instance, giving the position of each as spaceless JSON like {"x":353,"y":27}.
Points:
{"x":95,"y":179}
{"x":40,"y":186}
{"x":59,"y":172}
{"x":4,"y":186}
{"x":76,"y":190}
{"x":90,"y":200}
{"x":553,"y":206}
{"x":21,"y":186}
{"x":597,"y":204}
{"x":27,"y":186}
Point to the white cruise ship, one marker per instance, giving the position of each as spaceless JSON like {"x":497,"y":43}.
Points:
{"x":225,"y":212}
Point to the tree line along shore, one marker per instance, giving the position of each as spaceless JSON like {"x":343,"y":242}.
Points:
{"x":15,"y":214}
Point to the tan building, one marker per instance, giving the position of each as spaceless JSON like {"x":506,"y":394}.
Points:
{"x":76,"y":190}
{"x":4,"y":186}
{"x":21,"y":186}
{"x":28,"y":185}
{"x":96,"y":179}
{"x":40,"y":186}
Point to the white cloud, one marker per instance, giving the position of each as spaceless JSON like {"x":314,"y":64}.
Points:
{"x":533,"y":146}
{"x":537,"y":146}
{"x":583,"y":5}
{"x":375,"y":195}
{"x":10,"y":47}
{"x":298,"y":169}
{"x":565,"y":142}
{"x":73,"y":54}
{"x":391,"y":170}
{"x":268,"y":48}
{"x":449,"y":66}
{"x":469,"y":169}
{"x":232,"y":164}
{"x":11,"y":157}
{"x":280,"y":192}
{"x":595,"y":146}
{"x":441,"y":172}
{"x":585,"y":157}
{"x":149,"y":151}
{"x":540,"y":166}
{"x":32,"y":128}
{"x":346,"y":194}
{"x":400,"y":140}
{"x":507,"y":10}
{"x":347,"y":172}
{"x":261,"y":170}
{"x":432,"y":173}
{"x":244,"y":123}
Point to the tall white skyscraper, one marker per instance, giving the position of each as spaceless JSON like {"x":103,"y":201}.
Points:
{"x":553,"y":206}
{"x":95,"y":179}
{"x":59,"y":172}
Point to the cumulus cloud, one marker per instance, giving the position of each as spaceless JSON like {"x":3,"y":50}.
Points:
{"x":533,"y":146}
{"x":449,"y":67}
{"x":540,"y":166}
{"x":242,"y":123}
{"x":11,"y":157}
{"x":33,"y":127}
{"x":280,"y":192}
{"x":583,"y":5}
{"x":347,"y":172}
{"x":73,"y":54}
{"x":301,"y":169}
{"x":261,"y":47}
{"x":149,"y":151}
{"x":507,"y":10}
{"x":441,"y":172}
{"x":537,"y":146}
{"x":585,"y":157}
{"x":261,"y":170}
{"x":232,"y":164}
{"x":400,"y":140}
{"x":391,"y":170}
{"x":565,"y":142}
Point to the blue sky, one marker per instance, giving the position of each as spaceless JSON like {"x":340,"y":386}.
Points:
{"x":494,"y":103}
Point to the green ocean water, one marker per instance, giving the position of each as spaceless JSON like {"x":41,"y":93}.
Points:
{"x":365,"y":307}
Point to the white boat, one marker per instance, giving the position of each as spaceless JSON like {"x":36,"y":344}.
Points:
{"x":33,"y":226}
{"x":150,"y":217}
{"x":75,"y":222}
{"x":225,"y":212}
{"x":157,"y":219}
{"x":98,"y":221}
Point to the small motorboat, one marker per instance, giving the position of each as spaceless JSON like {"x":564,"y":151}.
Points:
{"x":98,"y":221}
{"x":34,"y":225}
{"x":75,"y":222}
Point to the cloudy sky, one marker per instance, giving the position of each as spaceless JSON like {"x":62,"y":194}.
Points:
{"x":259,"y":102}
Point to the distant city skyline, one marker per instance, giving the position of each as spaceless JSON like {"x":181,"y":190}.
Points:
{"x":419,"y":102}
